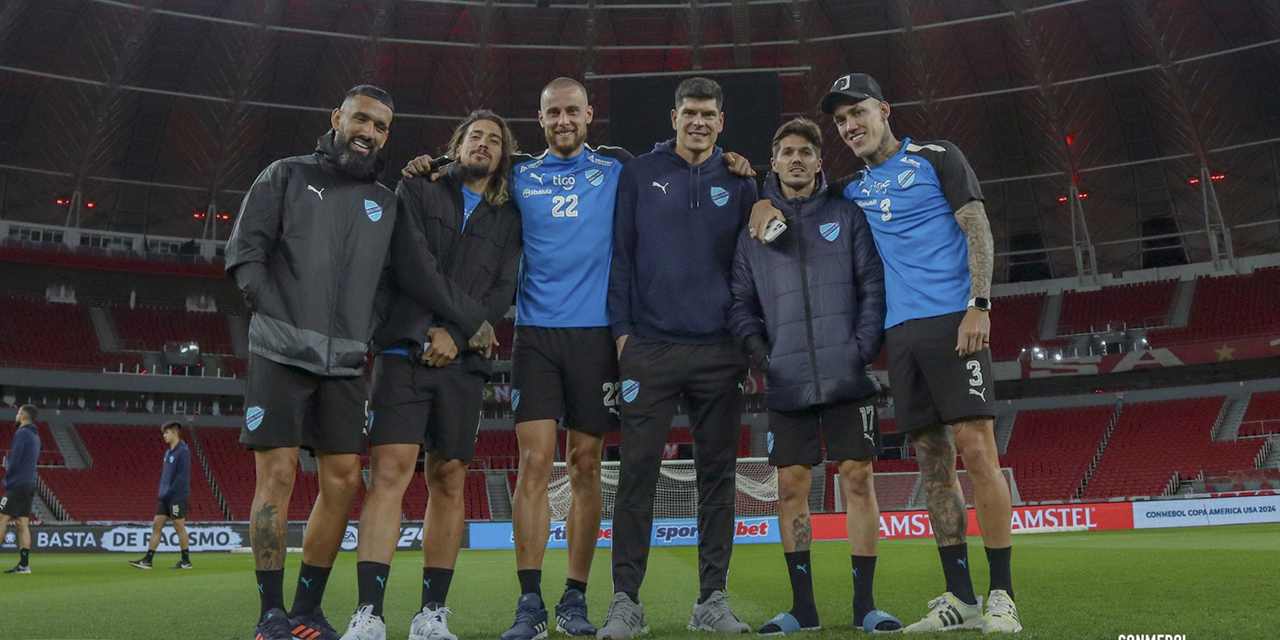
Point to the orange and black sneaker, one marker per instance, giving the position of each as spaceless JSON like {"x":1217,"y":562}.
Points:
{"x":312,"y":626}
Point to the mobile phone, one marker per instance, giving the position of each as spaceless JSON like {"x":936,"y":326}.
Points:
{"x":773,"y":229}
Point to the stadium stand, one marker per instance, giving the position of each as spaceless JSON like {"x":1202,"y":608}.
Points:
{"x":1250,"y":480}
{"x":232,"y":469}
{"x":1154,"y":440}
{"x":1263,"y":416}
{"x":496,"y":449}
{"x":49,"y":453}
{"x":52,"y":335}
{"x":1015,"y":324}
{"x":122,"y":484}
{"x":149,"y":327}
{"x":1146,"y":304}
{"x":1051,"y":449}
{"x":1228,"y":307}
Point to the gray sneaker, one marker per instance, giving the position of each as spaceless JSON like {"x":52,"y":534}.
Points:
{"x":715,"y":615}
{"x":624,"y":620}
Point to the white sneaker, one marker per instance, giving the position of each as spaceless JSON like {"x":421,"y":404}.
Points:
{"x":948,"y":613}
{"x":365,"y":626}
{"x":431,"y":624}
{"x":1002,"y":614}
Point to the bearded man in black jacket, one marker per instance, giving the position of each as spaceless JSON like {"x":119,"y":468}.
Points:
{"x":308,"y":251}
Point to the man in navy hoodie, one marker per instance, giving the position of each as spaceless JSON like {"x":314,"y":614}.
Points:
{"x":809,"y":310}
{"x":678,"y":216}
{"x":20,"y":484}
{"x":174,"y":494}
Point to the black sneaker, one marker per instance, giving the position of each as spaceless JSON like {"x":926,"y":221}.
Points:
{"x":273,"y":626}
{"x":313,"y":626}
{"x":21,"y":568}
{"x":182,"y":564}
{"x":141,"y":564}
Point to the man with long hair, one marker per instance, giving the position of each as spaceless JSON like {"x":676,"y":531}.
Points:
{"x":427,"y":383}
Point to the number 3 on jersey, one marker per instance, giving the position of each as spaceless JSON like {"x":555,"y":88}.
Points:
{"x":564,"y":206}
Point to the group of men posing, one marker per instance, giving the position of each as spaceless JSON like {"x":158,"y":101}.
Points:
{"x":637,"y":284}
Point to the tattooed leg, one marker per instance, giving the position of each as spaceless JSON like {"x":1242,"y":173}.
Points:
{"x":268,"y":523}
{"x":936,"y":453}
{"x":794,"y":524}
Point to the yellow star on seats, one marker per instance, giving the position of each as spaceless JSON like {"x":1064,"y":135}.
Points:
{"x":1225,"y":353}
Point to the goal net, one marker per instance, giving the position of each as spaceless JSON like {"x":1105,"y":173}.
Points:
{"x":677,"y":495}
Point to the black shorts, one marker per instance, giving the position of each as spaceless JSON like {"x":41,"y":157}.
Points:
{"x":16,"y":502}
{"x":850,"y":429}
{"x":438,"y":408}
{"x":289,"y":407}
{"x":569,"y":373}
{"x":176,"y":510}
{"x":931,"y":385}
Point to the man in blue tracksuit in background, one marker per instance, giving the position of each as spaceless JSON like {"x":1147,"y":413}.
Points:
{"x":809,"y":309}
{"x":20,"y":484}
{"x":174,"y":495}
{"x":678,"y":216}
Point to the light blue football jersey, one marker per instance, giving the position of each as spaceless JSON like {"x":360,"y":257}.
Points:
{"x":566,"y":206}
{"x":910,"y":201}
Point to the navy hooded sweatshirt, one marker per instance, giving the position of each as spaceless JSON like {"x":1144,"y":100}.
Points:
{"x":23,"y":457}
{"x":175,"y":476}
{"x":674,"y":232}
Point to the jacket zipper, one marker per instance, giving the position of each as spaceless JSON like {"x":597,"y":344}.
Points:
{"x":808,"y":309}
{"x":335,"y":271}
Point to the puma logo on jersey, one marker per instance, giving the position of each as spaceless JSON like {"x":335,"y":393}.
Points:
{"x":661,"y":186}
{"x":536,"y":177}
{"x":981,"y":394}
{"x":319,"y":192}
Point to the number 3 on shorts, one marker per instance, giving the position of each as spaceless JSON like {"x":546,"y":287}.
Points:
{"x":975,"y":368}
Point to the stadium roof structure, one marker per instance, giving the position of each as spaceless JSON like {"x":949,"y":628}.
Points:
{"x":1109,"y":134}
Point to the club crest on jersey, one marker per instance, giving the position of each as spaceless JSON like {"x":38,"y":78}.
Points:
{"x":719,"y":196}
{"x":515,"y":399}
{"x":373,"y":210}
{"x":769,"y":442}
{"x":830,"y":231}
{"x":630,"y":389}
{"x":907,"y":178}
{"x":594,"y":176}
{"x":253,"y":417}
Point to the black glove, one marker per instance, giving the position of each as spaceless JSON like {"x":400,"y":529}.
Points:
{"x":758,"y":350}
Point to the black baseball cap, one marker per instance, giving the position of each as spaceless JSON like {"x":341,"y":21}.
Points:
{"x":855,"y":86}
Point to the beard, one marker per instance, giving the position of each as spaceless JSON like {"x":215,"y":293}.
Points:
{"x":352,"y":162}
{"x":468,"y":170}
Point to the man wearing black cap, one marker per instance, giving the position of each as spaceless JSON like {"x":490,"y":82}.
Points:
{"x":308,"y":252}
{"x":927,"y":215}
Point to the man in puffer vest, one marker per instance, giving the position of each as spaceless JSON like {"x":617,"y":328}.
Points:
{"x":809,"y":310}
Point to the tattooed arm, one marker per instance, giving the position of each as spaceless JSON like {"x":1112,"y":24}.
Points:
{"x":975,"y":329}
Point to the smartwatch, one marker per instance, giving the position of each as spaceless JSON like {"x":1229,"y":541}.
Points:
{"x":981,"y":304}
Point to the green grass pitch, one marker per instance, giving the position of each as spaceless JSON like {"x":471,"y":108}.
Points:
{"x":1203,"y":583}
